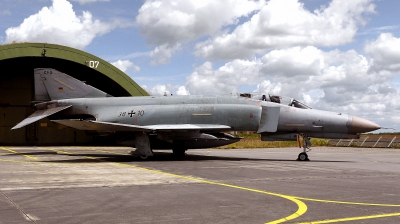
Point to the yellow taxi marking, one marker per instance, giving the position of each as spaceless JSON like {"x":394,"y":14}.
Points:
{"x":346,"y":202}
{"x":58,"y":151}
{"x":15,"y":152}
{"x":40,"y":162}
{"x":302,"y":207}
{"x":352,"y":218}
{"x":109,"y":152}
{"x":16,"y":161}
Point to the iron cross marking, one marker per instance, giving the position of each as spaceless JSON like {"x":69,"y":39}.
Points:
{"x":131,"y":113}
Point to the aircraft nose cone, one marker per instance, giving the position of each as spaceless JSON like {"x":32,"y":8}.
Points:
{"x":361,"y":125}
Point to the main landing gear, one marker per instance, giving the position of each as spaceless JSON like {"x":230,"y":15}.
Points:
{"x":178,"y":152}
{"x":306,"y":144}
{"x":143,"y":150}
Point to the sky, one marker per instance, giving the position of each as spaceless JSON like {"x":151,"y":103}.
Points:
{"x":335,"y":55}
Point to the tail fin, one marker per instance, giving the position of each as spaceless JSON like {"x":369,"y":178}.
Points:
{"x":51,"y":84}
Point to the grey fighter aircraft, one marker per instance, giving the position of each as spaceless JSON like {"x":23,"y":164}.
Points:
{"x":184,"y":122}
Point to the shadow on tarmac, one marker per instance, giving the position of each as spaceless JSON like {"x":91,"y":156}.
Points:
{"x":32,"y":153}
{"x":158,"y":157}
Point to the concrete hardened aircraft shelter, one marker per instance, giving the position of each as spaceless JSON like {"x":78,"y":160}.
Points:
{"x":17,"y":62}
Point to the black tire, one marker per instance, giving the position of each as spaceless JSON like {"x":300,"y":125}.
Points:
{"x":178,"y":152}
{"x":303,"y":157}
{"x":144,"y":157}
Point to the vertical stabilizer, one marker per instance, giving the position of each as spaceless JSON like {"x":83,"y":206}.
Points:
{"x":40,"y":89}
{"x":51,"y":84}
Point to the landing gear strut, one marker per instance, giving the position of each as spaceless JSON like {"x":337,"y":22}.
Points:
{"x":306,"y":144}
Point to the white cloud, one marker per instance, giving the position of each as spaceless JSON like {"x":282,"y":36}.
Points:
{"x":124,"y":65}
{"x":162,"y":54}
{"x":59,"y":24}
{"x":89,"y":1}
{"x":226,"y":79}
{"x":385,"y":52}
{"x":378,"y":30}
{"x":333,"y":80}
{"x":267,"y":87}
{"x":137,"y":55}
{"x":167,"y":24}
{"x":182,"y":91}
{"x":5,"y":12}
{"x":281,"y":24}
{"x":166,"y":90}
{"x":281,"y":67}
{"x":159,"y":90}
{"x":136,"y":68}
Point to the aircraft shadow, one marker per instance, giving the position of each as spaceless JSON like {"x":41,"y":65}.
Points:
{"x":165,"y":157}
{"x":32,"y":153}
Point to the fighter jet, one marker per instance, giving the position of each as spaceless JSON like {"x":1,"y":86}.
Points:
{"x":184,"y":122}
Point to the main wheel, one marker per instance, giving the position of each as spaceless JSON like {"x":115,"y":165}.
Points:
{"x":143,"y":157}
{"x":178,"y":152}
{"x":302,"y":157}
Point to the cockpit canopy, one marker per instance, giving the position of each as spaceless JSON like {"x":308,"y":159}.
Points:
{"x":276,"y":99}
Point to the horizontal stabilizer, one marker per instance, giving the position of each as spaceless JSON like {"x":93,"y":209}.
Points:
{"x":108,"y":126}
{"x":39,"y":114}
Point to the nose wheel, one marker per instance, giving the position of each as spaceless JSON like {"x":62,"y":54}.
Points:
{"x":303,"y":157}
{"x":306,"y":144}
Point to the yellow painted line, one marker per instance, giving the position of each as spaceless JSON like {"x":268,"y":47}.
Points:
{"x":346,"y":202}
{"x":109,"y":152}
{"x":294,"y":125}
{"x":16,"y":161}
{"x":58,"y":151}
{"x":15,"y":152}
{"x":42,"y":163}
{"x":68,"y":153}
{"x":353,"y":218}
{"x":302,"y":207}
{"x":64,"y":84}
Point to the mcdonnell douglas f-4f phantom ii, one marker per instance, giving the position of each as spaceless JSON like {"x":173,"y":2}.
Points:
{"x":184,"y":122}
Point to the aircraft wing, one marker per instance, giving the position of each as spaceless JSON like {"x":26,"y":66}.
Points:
{"x":108,"y":126}
{"x":100,"y":126}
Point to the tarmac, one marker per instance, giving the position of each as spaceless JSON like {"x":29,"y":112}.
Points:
{"x":107,"y":185}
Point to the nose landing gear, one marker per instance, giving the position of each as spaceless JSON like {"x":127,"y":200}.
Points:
{"x":306,"y":144}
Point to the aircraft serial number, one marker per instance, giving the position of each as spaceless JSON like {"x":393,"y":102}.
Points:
{"x":131,"y":113}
